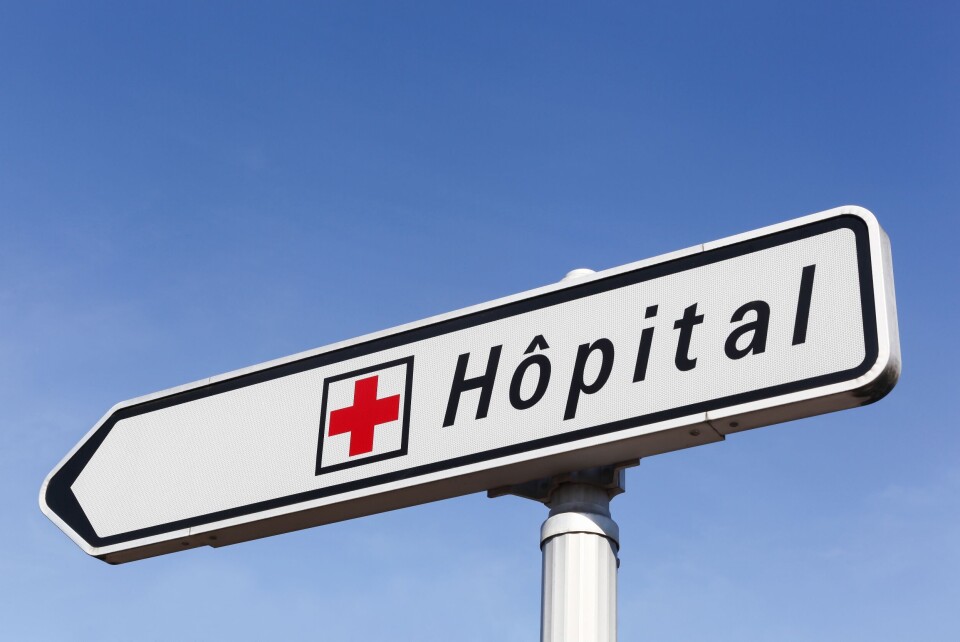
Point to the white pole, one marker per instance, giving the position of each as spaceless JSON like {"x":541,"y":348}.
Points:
{"x":579,"y":541}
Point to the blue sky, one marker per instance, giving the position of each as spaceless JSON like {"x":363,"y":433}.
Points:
{"x":190,"y":188}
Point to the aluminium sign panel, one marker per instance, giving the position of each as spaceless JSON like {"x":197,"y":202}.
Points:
{"x":784,"y":322}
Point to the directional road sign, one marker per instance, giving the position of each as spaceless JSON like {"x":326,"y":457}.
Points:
{"x":680,"y":350}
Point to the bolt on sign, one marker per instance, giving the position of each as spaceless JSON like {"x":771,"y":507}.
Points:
{"x":788,"y":321}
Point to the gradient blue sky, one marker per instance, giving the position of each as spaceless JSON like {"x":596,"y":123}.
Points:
{"x":190,"y":188}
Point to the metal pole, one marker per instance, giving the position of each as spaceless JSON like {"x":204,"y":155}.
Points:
{"x":579,"y":541}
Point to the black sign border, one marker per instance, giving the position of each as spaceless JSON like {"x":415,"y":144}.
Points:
{"x":61,"y":500}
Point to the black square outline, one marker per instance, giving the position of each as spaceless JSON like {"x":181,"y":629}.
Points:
{"x":404,"y":427}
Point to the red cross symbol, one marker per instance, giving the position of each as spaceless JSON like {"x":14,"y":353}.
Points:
{"x":364,"y":415}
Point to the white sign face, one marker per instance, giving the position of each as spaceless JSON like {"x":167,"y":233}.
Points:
{"x":785,"y":322}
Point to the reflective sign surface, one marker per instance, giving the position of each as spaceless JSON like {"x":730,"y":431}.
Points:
{"x":677,"y":351}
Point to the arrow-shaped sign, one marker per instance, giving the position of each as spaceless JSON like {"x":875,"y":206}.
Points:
{"x":785,"y":322}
